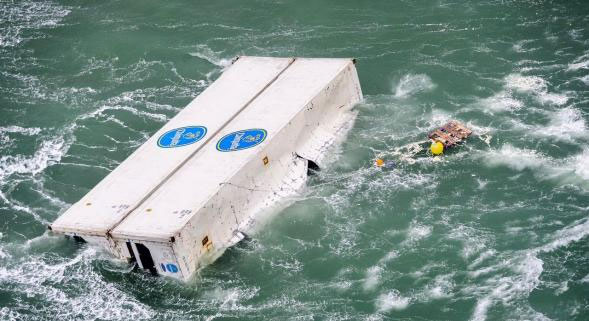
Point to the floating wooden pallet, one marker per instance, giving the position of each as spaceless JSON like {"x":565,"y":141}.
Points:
{"x":451,"y":134}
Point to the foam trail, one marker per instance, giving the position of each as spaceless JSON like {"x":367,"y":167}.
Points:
{"x":31,"y":131}
{"x":100,"y":113}
{"x":572,"y":233}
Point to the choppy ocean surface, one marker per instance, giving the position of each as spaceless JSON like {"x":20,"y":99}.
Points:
{"x":496,"y":230}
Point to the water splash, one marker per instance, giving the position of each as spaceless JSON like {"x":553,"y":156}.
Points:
{"x":412,"y":84}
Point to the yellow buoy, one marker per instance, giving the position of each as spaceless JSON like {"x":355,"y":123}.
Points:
{"x":379,"y":162}
{"x":437,"y":148}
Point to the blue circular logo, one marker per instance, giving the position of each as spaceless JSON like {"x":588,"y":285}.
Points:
{"x":182,"y":136}
{"x":241,"y":140}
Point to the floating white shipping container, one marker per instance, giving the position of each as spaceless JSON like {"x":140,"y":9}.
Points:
{"x":244,"y":144}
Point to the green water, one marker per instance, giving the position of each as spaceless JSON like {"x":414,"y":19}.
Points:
{"x":496,"y":230}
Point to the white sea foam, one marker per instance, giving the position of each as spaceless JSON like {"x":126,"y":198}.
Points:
{"x":412,"y":84}
{"x":292,"y":265}
{"x":562,"y":288}
{"x":515,"y":158}
{"x":36,"y":277}
{"x":31,"y":131}
{"x":7,"y":314}
{"x":28,"y":17}
{"x":49,"y":152}
{"x":553,"y":98}
{"x":482,"y":183}
{"x":502,"y":101}
{"x":392,"y":300}
{"x":140,"y":71}
{"x":94,"y":64}
{"x":206,"y":53}
{"x":480,"y":310}
{"x":521,"y":45}
{"x":417,"y":232}
{"x":518,"y":274}
{"x":5,"y":131}
{"x":571,"y":170}
{"x":372,"y":278}
{"x":580,"y":164}
{"x":572,"y":233}
{"x":231,"y":298}
{"x":566,"y":124}
{"x":529,"y":84}
{"x":535,"y":86}
{"x":581,"y":62}
{"x":472,"y":239}
{"x":101,"y":113}
{"x":440,"y":288}
{"x":373,"y":274}
{"x":482,"y":257}
{"x":576,"y":34}
{"x":391,"y":255}
{"x":516,"y":85}
{"x":3,"y":254}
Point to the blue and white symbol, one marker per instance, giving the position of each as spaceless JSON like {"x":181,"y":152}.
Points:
{"x":182,"y":136}
{"x":172,"y":268}
{"x":241,"y":140}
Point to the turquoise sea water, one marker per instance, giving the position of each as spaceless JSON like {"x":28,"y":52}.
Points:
{"x":496,"y":230}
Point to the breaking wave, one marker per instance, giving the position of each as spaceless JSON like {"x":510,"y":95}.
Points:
{"x":516,"y":85}
{"x":392,"y":300}
{"x":206,"y":53}
{"x":412,"y":84}
{"x":570,"y":170}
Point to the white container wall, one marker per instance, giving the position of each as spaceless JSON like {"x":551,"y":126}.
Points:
{"x":255,"y":158}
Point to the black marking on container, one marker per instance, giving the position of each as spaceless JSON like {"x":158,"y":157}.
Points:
{"x":146,"y":258}
{"x":133,"y":259}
